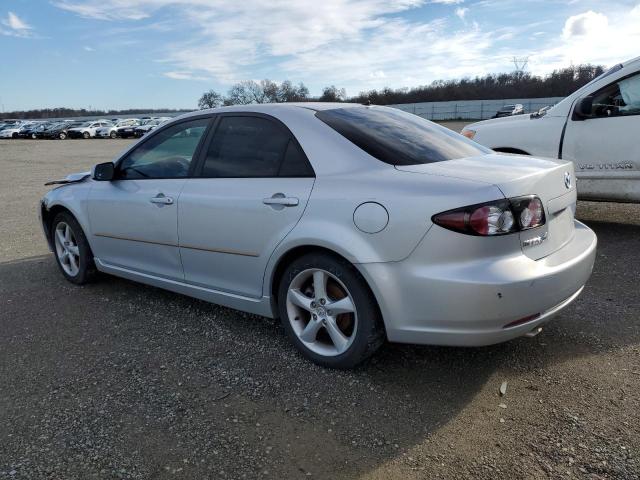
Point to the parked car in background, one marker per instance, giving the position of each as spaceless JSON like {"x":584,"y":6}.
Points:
{"x":510,"y":110}
{"x":595,"y":128}
{"x":9,"y":123}
{"x":352,"y":224}
{"x":113,"y":131}
{"x":59,"y":130}
{"x":148,"y":127}
{"x":30,"y":129}
{"x":88,"y":129}
{"x":11,"y":130}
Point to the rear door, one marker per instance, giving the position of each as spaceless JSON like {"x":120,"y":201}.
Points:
{"x":604,"y":147}
{"x":250,"y":190}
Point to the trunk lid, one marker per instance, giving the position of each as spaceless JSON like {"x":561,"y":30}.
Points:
{"x":516,"y":176}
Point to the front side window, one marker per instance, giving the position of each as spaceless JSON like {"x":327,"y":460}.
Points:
{"x":618,"y":99}
{"x":167,"y":154}
{"x":250,"y":147}
{"x":397,"y":137}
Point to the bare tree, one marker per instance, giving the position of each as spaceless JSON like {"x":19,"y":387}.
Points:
{"x":291,"y":93}
{"x":244,"y":93}
{"x":210,"y":99}
{"x":266,"y":91}
{"x":333,"y":94}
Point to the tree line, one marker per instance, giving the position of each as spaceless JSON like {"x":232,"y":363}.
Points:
{"x":558,"y":83}
{"x":63,"y":112}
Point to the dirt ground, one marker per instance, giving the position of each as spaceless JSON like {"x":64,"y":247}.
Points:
{"x":119,"y":380}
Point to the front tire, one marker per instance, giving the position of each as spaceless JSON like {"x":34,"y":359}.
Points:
{"x":86,"y":135}
{"x":113,"y":135}
{"x":72,"y":251}
{"x":62,"y":135}
{"x":328,"y":311}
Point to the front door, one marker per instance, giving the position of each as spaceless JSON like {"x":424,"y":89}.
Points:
{"x":604,"y":147}
{"x":134,"y":218}
{"x":249,"y":192}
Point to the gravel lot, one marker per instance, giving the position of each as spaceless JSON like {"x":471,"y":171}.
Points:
{"x":119,"y":380}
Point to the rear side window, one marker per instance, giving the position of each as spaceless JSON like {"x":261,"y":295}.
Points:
{"x":251,"y":147}
{"x":399,"y":138}
{"x":295,"y":163}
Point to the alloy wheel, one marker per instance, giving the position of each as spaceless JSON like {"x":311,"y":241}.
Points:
{"x":322,"y":312}
{"x":67,"y":249}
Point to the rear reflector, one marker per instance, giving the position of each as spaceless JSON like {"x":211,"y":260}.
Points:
{"x":522,"y":321}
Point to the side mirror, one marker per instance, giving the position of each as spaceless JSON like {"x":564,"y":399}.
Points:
{"x":104,"y":172}
{"x":584,"y":107}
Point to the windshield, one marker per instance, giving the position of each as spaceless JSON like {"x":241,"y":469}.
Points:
{"x":399,"y":138}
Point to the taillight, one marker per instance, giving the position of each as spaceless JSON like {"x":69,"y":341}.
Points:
{"x":494,"y":218}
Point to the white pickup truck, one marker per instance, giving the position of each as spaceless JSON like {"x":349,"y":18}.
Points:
{"x":597,"y":127}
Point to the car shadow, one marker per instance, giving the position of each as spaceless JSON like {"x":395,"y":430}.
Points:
{"x":166,"y":382}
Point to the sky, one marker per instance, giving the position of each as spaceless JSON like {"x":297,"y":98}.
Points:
{"x":117,"y":54}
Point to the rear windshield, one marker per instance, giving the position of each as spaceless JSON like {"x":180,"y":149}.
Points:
{"x":397,"y":137}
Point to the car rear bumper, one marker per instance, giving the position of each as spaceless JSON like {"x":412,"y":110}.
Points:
{"x":472,"y":303}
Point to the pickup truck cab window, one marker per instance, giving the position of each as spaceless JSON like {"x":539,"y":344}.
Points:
{"x":620,"y":98}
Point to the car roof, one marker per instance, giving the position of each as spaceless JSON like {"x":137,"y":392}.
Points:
{"x":268,"y":107}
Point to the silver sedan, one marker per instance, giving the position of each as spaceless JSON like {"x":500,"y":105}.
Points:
{"x":353,"y":224}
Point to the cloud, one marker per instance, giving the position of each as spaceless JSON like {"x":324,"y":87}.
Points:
{"x":183,"y":76}
{"x":229,"y":40}
{"x":587,"y":23}
{"x":89,"y":49}
{"x":461,"y":12}
{"x":16,"y":27}
{"x":359,"y":44}
{"x":591,"y":37}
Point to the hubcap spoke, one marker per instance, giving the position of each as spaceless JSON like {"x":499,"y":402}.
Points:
{"x":67,"y":250}
{"x":73,"y":264}
{"x":344,"y":305}
{"x":60,"y":237}
{"x":301,"y":300}
{"x":340,"y":341}
{"x":320,"y":284}
{"x":311,"y":331}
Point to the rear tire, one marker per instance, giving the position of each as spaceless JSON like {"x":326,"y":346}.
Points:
{"x":113,"y":134}
{"x":329,"y":312}
{"x":72,"y":251}
{"x":62,"y":135}
{"x":86,"y":135}
{"x":14,"y":135}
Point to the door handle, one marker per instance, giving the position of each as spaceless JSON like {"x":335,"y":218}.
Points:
{"x":281,"y":200}
{"x":162,"y":200}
